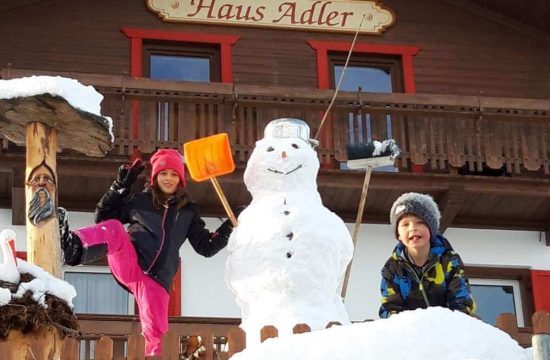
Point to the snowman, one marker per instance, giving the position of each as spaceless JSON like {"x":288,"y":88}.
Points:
{"x":289,"y":252}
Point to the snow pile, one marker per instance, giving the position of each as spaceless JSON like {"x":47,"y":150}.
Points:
{"x":82,"y":97}
{"x":85,"y":98}
{"x":44,"y":283}
{"x":424,"y":334}
{"x":5,"y":296}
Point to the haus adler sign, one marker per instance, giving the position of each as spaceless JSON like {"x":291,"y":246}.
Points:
{"x":335,"y":15}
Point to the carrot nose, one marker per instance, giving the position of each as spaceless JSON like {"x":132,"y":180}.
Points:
{"x":283,"y":154}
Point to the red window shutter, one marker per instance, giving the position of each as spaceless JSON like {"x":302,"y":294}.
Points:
{"x":541,"y":289}
{"x":174,"y":306}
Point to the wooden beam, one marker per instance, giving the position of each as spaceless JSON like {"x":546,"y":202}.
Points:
{"x":501,"y":19}
{"x":18,"y":196}
{"x":499,"y":224}
{"x":426,"y":182}
{"x":450,"y":206}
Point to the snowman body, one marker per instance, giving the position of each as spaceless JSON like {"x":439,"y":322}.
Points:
{"x":288,"y":253}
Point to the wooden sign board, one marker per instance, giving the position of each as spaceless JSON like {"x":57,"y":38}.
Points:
{"x":335,"y":15}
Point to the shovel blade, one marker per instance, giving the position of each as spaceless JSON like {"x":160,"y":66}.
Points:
{"x":208,"y":157}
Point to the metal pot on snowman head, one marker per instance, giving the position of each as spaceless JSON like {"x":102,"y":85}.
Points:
{"x":289,"y":128}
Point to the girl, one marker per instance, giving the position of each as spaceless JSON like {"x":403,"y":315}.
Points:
{"x":145,"y":257}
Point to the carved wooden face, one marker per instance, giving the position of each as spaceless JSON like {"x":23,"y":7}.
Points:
{"x":43,"y":186}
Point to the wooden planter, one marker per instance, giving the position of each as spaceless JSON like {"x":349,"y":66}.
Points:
{"x":44,"y":344}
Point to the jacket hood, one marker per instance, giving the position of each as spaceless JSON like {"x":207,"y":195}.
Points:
{"x":438,"y":246}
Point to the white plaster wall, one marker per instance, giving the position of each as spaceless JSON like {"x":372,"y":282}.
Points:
{"x":204,"y":292}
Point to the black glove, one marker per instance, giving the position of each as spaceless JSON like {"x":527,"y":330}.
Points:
{"x":128,"y":173}
{"x":225,"y":229}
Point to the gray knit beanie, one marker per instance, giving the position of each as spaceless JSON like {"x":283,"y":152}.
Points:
{"x":420,"y":205}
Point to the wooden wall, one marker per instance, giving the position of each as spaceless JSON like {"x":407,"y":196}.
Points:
{"x":461,"y":52}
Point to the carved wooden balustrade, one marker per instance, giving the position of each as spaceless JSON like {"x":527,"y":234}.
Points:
{"x":441,"y":133}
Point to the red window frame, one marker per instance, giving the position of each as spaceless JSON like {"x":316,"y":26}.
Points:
{"x":541,"y":289}
{"x":406,"y":52}
{"x":137,"y":36}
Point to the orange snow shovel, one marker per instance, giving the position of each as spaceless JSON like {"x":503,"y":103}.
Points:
{"x":207,"y":158}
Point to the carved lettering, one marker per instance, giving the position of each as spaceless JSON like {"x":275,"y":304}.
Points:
{"x":336,"y":15}
{"x":201,"y":7}
{"x":345,"y":15}
{"x":225,"y":12}
{"x":260,"y":12}
{"x":289,"y":12}
{"x":244,"y":15}
{"x":307,"y":16}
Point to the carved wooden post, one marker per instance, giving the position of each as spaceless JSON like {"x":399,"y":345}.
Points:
{"x":45,"y":123}
{"x":43,"y":247}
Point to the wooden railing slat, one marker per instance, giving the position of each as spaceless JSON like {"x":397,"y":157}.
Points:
{"x":70,"y":349}
{"x":170,"y":345}
{"x":136,"y":347}
{"x":104,"y":349}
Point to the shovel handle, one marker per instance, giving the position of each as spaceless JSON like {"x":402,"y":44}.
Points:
{"x":358,"y":220}
{"x":223,"y":199}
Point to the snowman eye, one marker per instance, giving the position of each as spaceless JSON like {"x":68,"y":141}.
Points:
{"x":270,"y":149}
{"x":295,"y":146}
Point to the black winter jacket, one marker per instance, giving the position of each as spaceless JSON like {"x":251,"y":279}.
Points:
{"x":157,"y":234}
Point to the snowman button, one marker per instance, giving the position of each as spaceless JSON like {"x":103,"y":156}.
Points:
{"x":289,"y":254}
{"x":290,"y":235}
{"x":286,"y":212}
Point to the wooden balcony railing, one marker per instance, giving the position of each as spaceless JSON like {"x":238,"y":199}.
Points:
{"x":116,"y":337}
{"x":441,"y":133}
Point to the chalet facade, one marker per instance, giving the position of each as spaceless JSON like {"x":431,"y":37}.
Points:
{"x":463,"y":86}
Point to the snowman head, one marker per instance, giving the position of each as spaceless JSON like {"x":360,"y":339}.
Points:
{"x":284,"y":160}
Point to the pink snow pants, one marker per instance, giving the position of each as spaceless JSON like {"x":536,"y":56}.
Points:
{"x":151,"y":297}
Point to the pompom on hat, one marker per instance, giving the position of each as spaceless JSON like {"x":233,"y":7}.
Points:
{"x":167,"y":159}
{"x":420,"y":205}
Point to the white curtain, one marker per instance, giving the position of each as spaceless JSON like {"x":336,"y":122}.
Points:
{"x":98,"y":293}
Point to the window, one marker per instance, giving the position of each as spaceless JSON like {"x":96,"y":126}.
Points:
{"x":370,"y":72}
{"x":494,"y":297}
{"x":167,"y":45}
{"x":367,"y":73}
{"x":502,"y":289}
{"x":91,"y":284}
{"x":378,"y":66}
{"x":180,"y":62}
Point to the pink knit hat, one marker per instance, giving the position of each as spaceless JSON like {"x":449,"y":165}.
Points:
{"x":167,"y":159}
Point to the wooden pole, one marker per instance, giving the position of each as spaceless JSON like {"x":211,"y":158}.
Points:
{"x":43,"y":248}
{"x":541,"y":347}
{"x":541,"y":335}
{"x":358,"y":220}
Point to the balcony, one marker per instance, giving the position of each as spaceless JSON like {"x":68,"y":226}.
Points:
{"x":485,"y":160}
{"x":221,"y":337}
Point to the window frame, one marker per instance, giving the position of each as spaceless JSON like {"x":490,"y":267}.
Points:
{"x":183,"y":49}
{"x":518,"y":304}
{"x":405,"y":52}
{"x":522,"y":275}
{"x":380,"y":61}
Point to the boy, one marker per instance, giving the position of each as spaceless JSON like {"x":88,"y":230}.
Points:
{"x":423,"y":270}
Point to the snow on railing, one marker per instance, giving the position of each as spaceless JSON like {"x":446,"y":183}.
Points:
{"x":103,"y":347}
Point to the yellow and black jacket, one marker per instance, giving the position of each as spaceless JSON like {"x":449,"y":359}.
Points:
{"x":440,"y":282}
